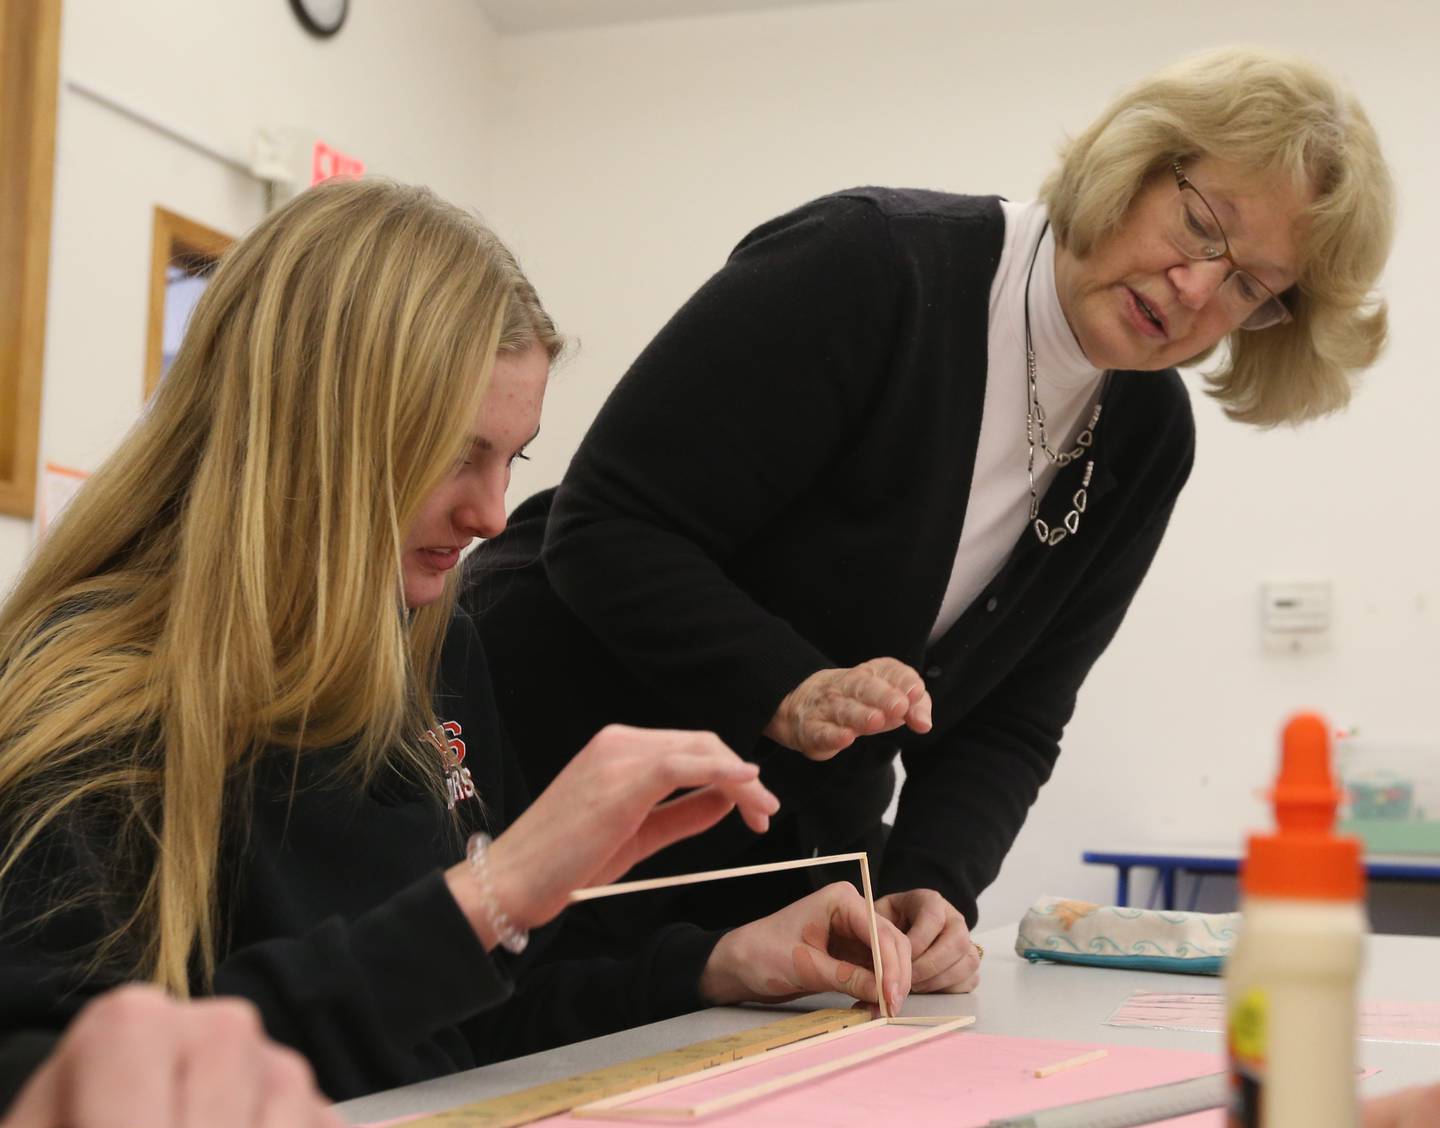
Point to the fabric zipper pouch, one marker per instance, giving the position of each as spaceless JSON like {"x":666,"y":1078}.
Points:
{"x":1065,"y":931}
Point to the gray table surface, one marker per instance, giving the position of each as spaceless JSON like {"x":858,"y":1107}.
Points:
{"x":1033,"y":1000}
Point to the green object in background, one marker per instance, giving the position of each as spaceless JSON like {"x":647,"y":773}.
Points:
{"x":1396,"y":836}
{"x":1382,"y":796}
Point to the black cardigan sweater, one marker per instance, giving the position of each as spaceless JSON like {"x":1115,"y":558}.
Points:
{"x":341,"y":929}
{"x":778,"y":485}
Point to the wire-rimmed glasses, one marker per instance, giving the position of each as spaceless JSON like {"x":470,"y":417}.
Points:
{"x":1197,"y":234}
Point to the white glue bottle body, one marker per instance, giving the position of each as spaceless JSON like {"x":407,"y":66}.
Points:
{"x":1292,"y":980}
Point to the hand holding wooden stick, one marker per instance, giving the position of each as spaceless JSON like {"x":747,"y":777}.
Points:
{"x":623,"y":887}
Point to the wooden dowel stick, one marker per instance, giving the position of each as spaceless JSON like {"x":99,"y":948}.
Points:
{"x":600,"y":1108}
{"x":921,"y":1019}
{"x":584,"y":1113}
{"x":874,"y":937}
{"x":828,"y":1067}
{"x":1071,"y":1063}
{"x":741,"y":1096}
{"x":597,"y":891}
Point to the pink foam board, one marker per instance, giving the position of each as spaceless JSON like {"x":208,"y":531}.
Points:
{"x":958,"y":1079}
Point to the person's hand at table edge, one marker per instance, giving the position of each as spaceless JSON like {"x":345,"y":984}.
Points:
{"x":135,"y":1056}
{"x":1409,"y":1108}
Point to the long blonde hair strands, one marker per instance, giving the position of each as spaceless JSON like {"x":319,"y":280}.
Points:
{"x":230,"y":579}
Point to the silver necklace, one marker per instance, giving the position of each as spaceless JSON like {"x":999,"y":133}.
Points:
{"x":1036,"y":436}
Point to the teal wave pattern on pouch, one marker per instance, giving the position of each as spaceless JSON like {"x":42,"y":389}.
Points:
{"x":1068,"y":931}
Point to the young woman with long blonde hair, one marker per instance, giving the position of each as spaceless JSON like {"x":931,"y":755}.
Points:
{"x":244,"y":735}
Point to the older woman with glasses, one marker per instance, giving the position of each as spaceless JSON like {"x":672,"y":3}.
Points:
{"x":888,"y":482}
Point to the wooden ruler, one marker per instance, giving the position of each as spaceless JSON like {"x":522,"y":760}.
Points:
{"x":561,"y":1096}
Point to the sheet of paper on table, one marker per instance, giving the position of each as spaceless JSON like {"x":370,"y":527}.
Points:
{"x":958,"y":1080}
{"x":963,"y":1080}
{"x":1379,"y":1022}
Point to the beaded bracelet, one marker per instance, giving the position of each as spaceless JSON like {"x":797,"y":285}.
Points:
{"x":512,"y":939}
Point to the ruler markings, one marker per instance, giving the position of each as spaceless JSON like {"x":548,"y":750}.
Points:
{"x":554,"y":1097}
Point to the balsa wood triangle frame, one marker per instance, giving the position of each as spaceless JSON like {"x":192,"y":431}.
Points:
{"x":614,"y":1108}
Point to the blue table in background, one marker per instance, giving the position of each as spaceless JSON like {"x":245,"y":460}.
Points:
{"x":1167,"y":863}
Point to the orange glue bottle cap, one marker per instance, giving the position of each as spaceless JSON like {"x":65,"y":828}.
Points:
{"x":1305,"y":858}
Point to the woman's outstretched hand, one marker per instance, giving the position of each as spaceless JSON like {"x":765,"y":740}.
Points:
{"x":825,"y":713}
{"x":820,"y":943}
{"x":607,"y":810}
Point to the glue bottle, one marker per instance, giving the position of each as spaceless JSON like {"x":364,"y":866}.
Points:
{"x":1291,"y":980}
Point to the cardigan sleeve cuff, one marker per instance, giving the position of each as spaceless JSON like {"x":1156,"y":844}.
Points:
{"x":437,"y":971}
{"x":751,"y":708}
{"x":683,"y":953}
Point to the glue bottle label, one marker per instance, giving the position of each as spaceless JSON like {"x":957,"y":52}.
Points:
{"x":1246,"y":1041}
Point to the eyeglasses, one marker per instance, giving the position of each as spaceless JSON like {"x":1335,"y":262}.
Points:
{"x":1197,"y":234}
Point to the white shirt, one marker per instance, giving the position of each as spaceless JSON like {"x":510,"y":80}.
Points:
{"x":1067,"y":384}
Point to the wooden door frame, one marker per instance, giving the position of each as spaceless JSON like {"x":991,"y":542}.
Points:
{"x":175,"y":237}
{"x":29,"y":91}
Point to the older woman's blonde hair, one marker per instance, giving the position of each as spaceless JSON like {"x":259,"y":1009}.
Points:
{"x":230,"y":580}
{"x":1270,"y":114}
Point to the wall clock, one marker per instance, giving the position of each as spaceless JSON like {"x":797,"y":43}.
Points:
{"x":322,"y":18}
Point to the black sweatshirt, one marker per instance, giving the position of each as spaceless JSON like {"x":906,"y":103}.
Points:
{"x":778,"y":485}
{"x":341,"y":928}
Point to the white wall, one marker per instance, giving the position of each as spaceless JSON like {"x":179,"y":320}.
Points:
{"x":624,"y":162}
{"x":404,"y":87}
{"x":637,"y":155}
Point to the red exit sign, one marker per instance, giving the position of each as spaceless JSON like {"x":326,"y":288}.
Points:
{"x":326,"y":163}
